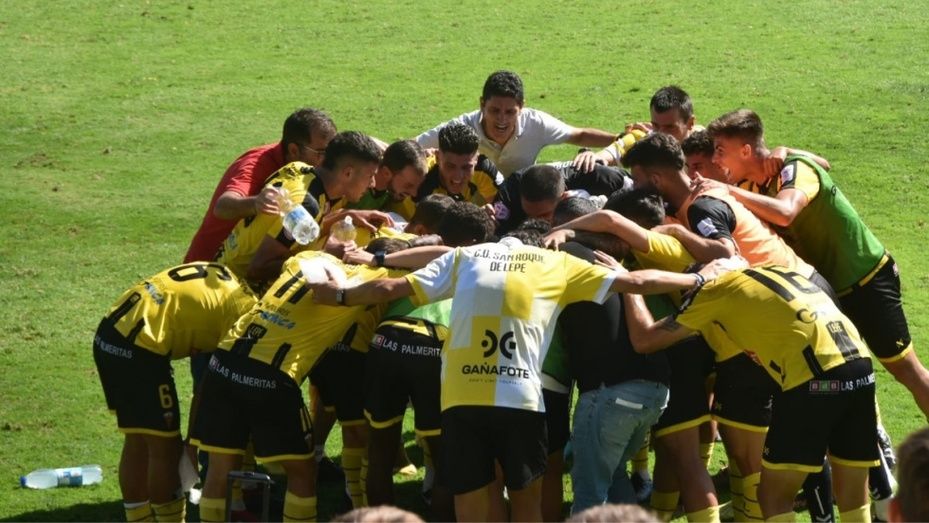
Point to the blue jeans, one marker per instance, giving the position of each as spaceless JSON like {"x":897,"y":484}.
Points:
{"x":610,"y":426}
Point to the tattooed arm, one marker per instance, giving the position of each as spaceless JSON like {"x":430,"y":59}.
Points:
{"x":646,"y":334}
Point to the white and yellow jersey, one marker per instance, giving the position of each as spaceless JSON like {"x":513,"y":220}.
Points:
{"x":506,"y":300}
{"x":186,"y":307}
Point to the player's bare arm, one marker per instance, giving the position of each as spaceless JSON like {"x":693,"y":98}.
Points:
{"x":381,"y":290}
{"x":781,"y":210}
{"x":412,"y":258}
{"x":608,"y":222}
{"x":232,"y":205}
{"x":702,"y":249}
{"x":647,"y":335}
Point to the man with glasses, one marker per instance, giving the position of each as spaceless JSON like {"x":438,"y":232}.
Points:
{"x":241,"y":192}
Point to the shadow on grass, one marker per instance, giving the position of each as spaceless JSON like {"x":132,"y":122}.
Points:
{"x":103,"y":511}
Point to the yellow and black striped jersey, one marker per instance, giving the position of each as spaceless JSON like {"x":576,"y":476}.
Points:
{"x":480,"y":189}
{"x":303,"y":186}
{"x":785,"y":323}
{"x":187,"y":307}
{"x":285,"y":329}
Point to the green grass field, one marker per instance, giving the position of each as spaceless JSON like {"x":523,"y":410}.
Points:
{"x":119,"y":118}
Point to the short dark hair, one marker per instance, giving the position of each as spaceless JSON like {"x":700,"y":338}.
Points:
{"x":699,"y":142}
{"x":655,"y":150}
{"x":913,"y":476}
{"x":430,"y":211}
{"x":458,"y":138}
{"x":530,"y":232}
{"x":571,"y":208}
{"x":304,"y":123}
{"x":388,"y":245}
{"x":741,"y":123}
{"x":351,"y":145}
{"x":673,"y":97}
{"x":643,"y":206}
{"x":504,"y":83}
{"x":400,"y":154}
{"x":541,"y":183}
{"x":465,"y":224}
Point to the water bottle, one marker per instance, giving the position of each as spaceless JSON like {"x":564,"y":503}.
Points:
{"x":297,"y":221}
{"x":67,"y":477}
{"x":344,"y":230}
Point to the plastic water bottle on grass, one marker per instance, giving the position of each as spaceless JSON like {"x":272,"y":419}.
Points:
{"x":297,"y":221}
{"x":66,"y":477}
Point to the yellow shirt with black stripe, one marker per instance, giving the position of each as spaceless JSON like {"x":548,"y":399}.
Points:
{"x":188,"y":307}
{"x":285,"y":329}
{"x":303,"y":187}
{"x":667,"y":253}
{"x":784,"y":322}
{"x":480,"y":189}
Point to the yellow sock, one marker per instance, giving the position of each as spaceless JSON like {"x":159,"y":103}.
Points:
{"x":172,"y":511}
{"x":212,"y":509}
{"x":706,"y":452}
{"x":710,"y":514}
{"x":640,"y":460}
{"x":363,"y":480}
{"x":751,"y":508}
{"x":786,"y":517}
{"x":862,"y":513}
{"x":141,"y":511}
{"x":664,"y":504}
{"x":736,"y":492}
{"x":351,"y":465}
{"x":299,"y":509}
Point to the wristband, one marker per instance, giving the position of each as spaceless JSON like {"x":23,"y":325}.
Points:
{"x":340,"y":296}
{"x":379,"y":258}
{"x":700,"y":280}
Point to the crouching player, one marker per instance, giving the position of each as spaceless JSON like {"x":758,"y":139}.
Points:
{"x":252,"y":385}
{"x":169,"y":316}
{"x":825,"y":401}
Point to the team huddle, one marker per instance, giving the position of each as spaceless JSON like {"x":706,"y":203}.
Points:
{"x":690,"y":283}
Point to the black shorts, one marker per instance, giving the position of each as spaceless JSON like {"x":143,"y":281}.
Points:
{"x":876,"y":309}
{"x":557,"y":419}
{"x":339,"y":377}
{"x":742,"y":394}
{"x":242,"y":398}
{"x":834,"y":413}
{"x":138,"y":385}
{"x":691,"y":362}
{"x":474,"y":437}
{"x":404,"y":367}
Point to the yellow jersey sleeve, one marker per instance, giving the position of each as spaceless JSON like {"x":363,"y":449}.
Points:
{"x":585,"y":281}
{"x":665,"y":253}
{"x":800,"y":176}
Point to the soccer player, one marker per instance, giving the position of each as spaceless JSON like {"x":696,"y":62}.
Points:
{"x":242,"y":193}
{"x":397,"y":180}
{"x":825,"y":398}
{"x":257,"y":246}
{"x":169,"y":316}
{"x":459,"y":171}
{"x":672,"y":113}
{"x":404,"y":364}
{"x":512,"y":135}
{"x":535,"y":192}
{"x":698,"y":154}
{"x":251,"y":389}
{"x":826,"y":230}
{"x":506,"y":295}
